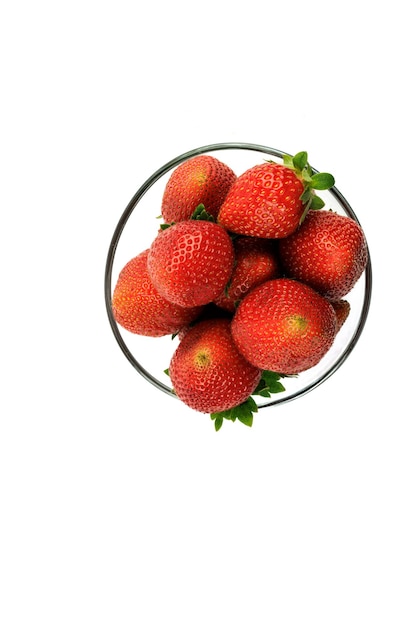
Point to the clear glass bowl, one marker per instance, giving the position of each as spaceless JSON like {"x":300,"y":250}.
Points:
{"x":138,"y":226}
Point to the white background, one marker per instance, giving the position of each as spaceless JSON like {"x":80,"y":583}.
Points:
{"x":118,"y":505}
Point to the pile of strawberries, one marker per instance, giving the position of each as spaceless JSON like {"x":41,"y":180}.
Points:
{"x":249,"y":272}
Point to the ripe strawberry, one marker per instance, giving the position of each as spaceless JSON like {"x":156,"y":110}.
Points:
{"x":207,"y":371}
{"x":271,"y":199}
{"x":284,"y":326}
{"x":328,"y":252}
{"x":138,"y":307}
{"x":200,"y":180}
{"x":256,"y":260}
{"x":191,"y":262}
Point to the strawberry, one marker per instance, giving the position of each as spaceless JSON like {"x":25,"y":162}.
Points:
{"x":328,"y":252}
{"x":207,"y":371}
{"x":285,"y":326}
{"x":214,"y":332}
{"x":139,"y":308}
{"x":191,"y":262}
{"x":256,"y":260}
{"x":271,"y":199}
{"x":200,"y":180}
{"x":342,"y":310}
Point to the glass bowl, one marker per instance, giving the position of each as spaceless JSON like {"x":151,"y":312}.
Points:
{"x":137,"y":227}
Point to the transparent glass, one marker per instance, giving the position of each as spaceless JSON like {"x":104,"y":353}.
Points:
{"x":137,"y":227}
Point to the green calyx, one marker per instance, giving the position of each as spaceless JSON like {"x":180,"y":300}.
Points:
{"x":311,"y":181}
{"x":269,"y":383}
{"x":199,"y":213}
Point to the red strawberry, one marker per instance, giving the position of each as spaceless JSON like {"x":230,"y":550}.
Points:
{"x":138,"y":307}
{"x":342,"y":311}
{"x":284,"y":326}
{"x":200,"y":180}
{"x":270,"y":199}
{"x":191,"y":262}
{"x":207,"y":371}
{"x":328,"y":252}
{"x":256,"y":260}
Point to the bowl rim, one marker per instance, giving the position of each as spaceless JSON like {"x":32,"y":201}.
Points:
{"x":149,"y":182}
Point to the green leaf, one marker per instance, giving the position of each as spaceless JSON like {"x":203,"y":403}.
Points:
{"x":272,"y":379}
{"x":243,"y":412}
{"x":261,"y":387}
{"x":227,"y":415}
{"x":246,"y":419}
{"x":269,"y":383}
{"x":218,"y":422}
{"x":200,"y":213}
{"x":252,"y":404}
{"x":300,"y":160}
{"x":165,"y":226}
{"x":306,"y":196}
{"x":288,"y":161}
{"x":306,"y":177}
{"x":322,"y":180}
{"x":316,"y":203}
